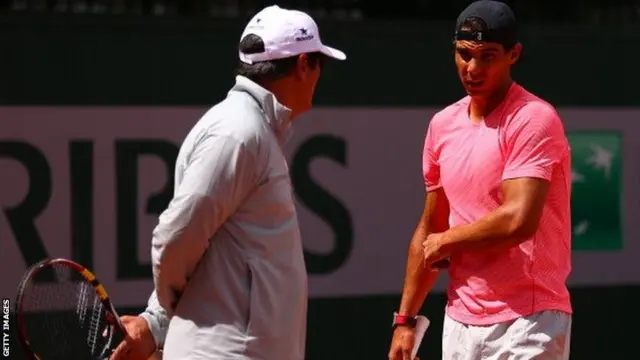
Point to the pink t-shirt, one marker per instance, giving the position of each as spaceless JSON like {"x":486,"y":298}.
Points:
{"x":523,"y":137}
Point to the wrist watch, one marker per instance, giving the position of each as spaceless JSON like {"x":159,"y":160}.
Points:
{"x":404,"y":320}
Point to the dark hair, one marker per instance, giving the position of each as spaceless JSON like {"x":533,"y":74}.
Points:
{"x":476,"y":24}
{"x":473,"y":24}
{"x":272,"y":69}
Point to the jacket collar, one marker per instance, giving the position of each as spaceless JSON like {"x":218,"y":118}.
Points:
{"x":277,"y":115}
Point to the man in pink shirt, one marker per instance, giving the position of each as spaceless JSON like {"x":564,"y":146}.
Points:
{"x":498,"y":177}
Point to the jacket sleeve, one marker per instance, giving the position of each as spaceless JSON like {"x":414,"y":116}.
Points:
{"x":157,"y":319}
{"x":218,"y":176}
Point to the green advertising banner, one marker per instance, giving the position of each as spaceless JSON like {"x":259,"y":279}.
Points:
{"x":596,"y":203}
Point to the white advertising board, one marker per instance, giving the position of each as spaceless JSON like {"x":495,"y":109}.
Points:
{"x":85,"y":150}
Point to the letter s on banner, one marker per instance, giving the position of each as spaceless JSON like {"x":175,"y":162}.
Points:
{"x":321,"y":202}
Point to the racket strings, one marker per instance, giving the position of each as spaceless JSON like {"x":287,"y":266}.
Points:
{"x":64,"y":319}
{"x":95,"y":325}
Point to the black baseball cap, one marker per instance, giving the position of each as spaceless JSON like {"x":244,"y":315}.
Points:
{"x":498,"y":23}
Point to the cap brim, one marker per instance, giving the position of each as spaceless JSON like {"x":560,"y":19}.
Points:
{"x":333,"y":53}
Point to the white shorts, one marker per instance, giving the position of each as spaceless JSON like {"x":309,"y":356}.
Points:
{"x":541,"y":336}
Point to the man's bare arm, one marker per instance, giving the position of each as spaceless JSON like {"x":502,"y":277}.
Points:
{"x":514,"y":221}
{"x":419,"y":279}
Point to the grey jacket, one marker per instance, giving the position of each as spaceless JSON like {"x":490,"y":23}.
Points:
{"x":228,"y":265}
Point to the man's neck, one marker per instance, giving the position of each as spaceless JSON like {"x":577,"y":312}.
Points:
{"x":481,"y":107}
{"x":280,"y":89}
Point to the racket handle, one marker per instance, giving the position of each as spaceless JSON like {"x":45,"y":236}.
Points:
{"x":442,"y":264}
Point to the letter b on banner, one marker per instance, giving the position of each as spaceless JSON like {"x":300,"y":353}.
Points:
{"x":128,"y":153}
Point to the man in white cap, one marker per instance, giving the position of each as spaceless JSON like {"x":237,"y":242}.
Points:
{"x":228,"y":266}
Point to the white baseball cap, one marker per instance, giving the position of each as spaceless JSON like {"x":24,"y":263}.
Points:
{"x":285,"y":33}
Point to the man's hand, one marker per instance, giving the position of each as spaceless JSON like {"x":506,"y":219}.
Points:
{"x":139,"y":345}
{"x":402,"y":343}
{"x":433,"y":249}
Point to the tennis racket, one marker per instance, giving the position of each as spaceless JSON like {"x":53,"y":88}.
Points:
{"x":63,"y":312}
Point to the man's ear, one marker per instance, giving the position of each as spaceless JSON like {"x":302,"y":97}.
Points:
{"x":302,"y":65}
{"x":515,"y":52}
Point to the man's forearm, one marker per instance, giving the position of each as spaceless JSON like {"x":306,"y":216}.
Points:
{"x":179,"y":241}
{"x":157,"y":319}
{"x":419,"y":279}
{"x":502,"y":226}
{"x":514,"y":221}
